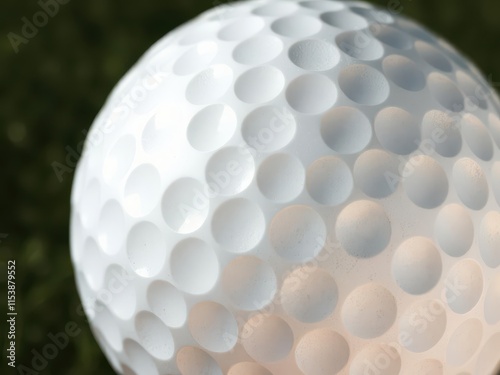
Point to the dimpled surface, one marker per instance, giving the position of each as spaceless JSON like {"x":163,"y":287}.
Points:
{"x":293,"y":187}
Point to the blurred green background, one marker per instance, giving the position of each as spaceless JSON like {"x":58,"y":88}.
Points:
{"x":51,"y":91}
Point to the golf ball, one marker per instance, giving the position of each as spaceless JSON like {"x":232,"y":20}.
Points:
{"x":293,"y":187}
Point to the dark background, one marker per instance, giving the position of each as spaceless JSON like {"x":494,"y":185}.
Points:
{"x":51,"y":90}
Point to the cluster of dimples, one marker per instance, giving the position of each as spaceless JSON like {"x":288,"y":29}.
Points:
{"x":294,"y":187}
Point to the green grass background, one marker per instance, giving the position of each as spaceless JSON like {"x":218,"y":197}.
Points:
{"x":50,"y":92}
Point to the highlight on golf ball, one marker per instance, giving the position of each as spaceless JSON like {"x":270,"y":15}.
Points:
{"x":294,"y":187}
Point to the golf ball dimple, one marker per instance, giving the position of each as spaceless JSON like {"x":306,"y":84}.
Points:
{"x":293,"y":187}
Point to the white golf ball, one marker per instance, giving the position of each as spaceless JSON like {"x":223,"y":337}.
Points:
{"x":294,"y":187}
